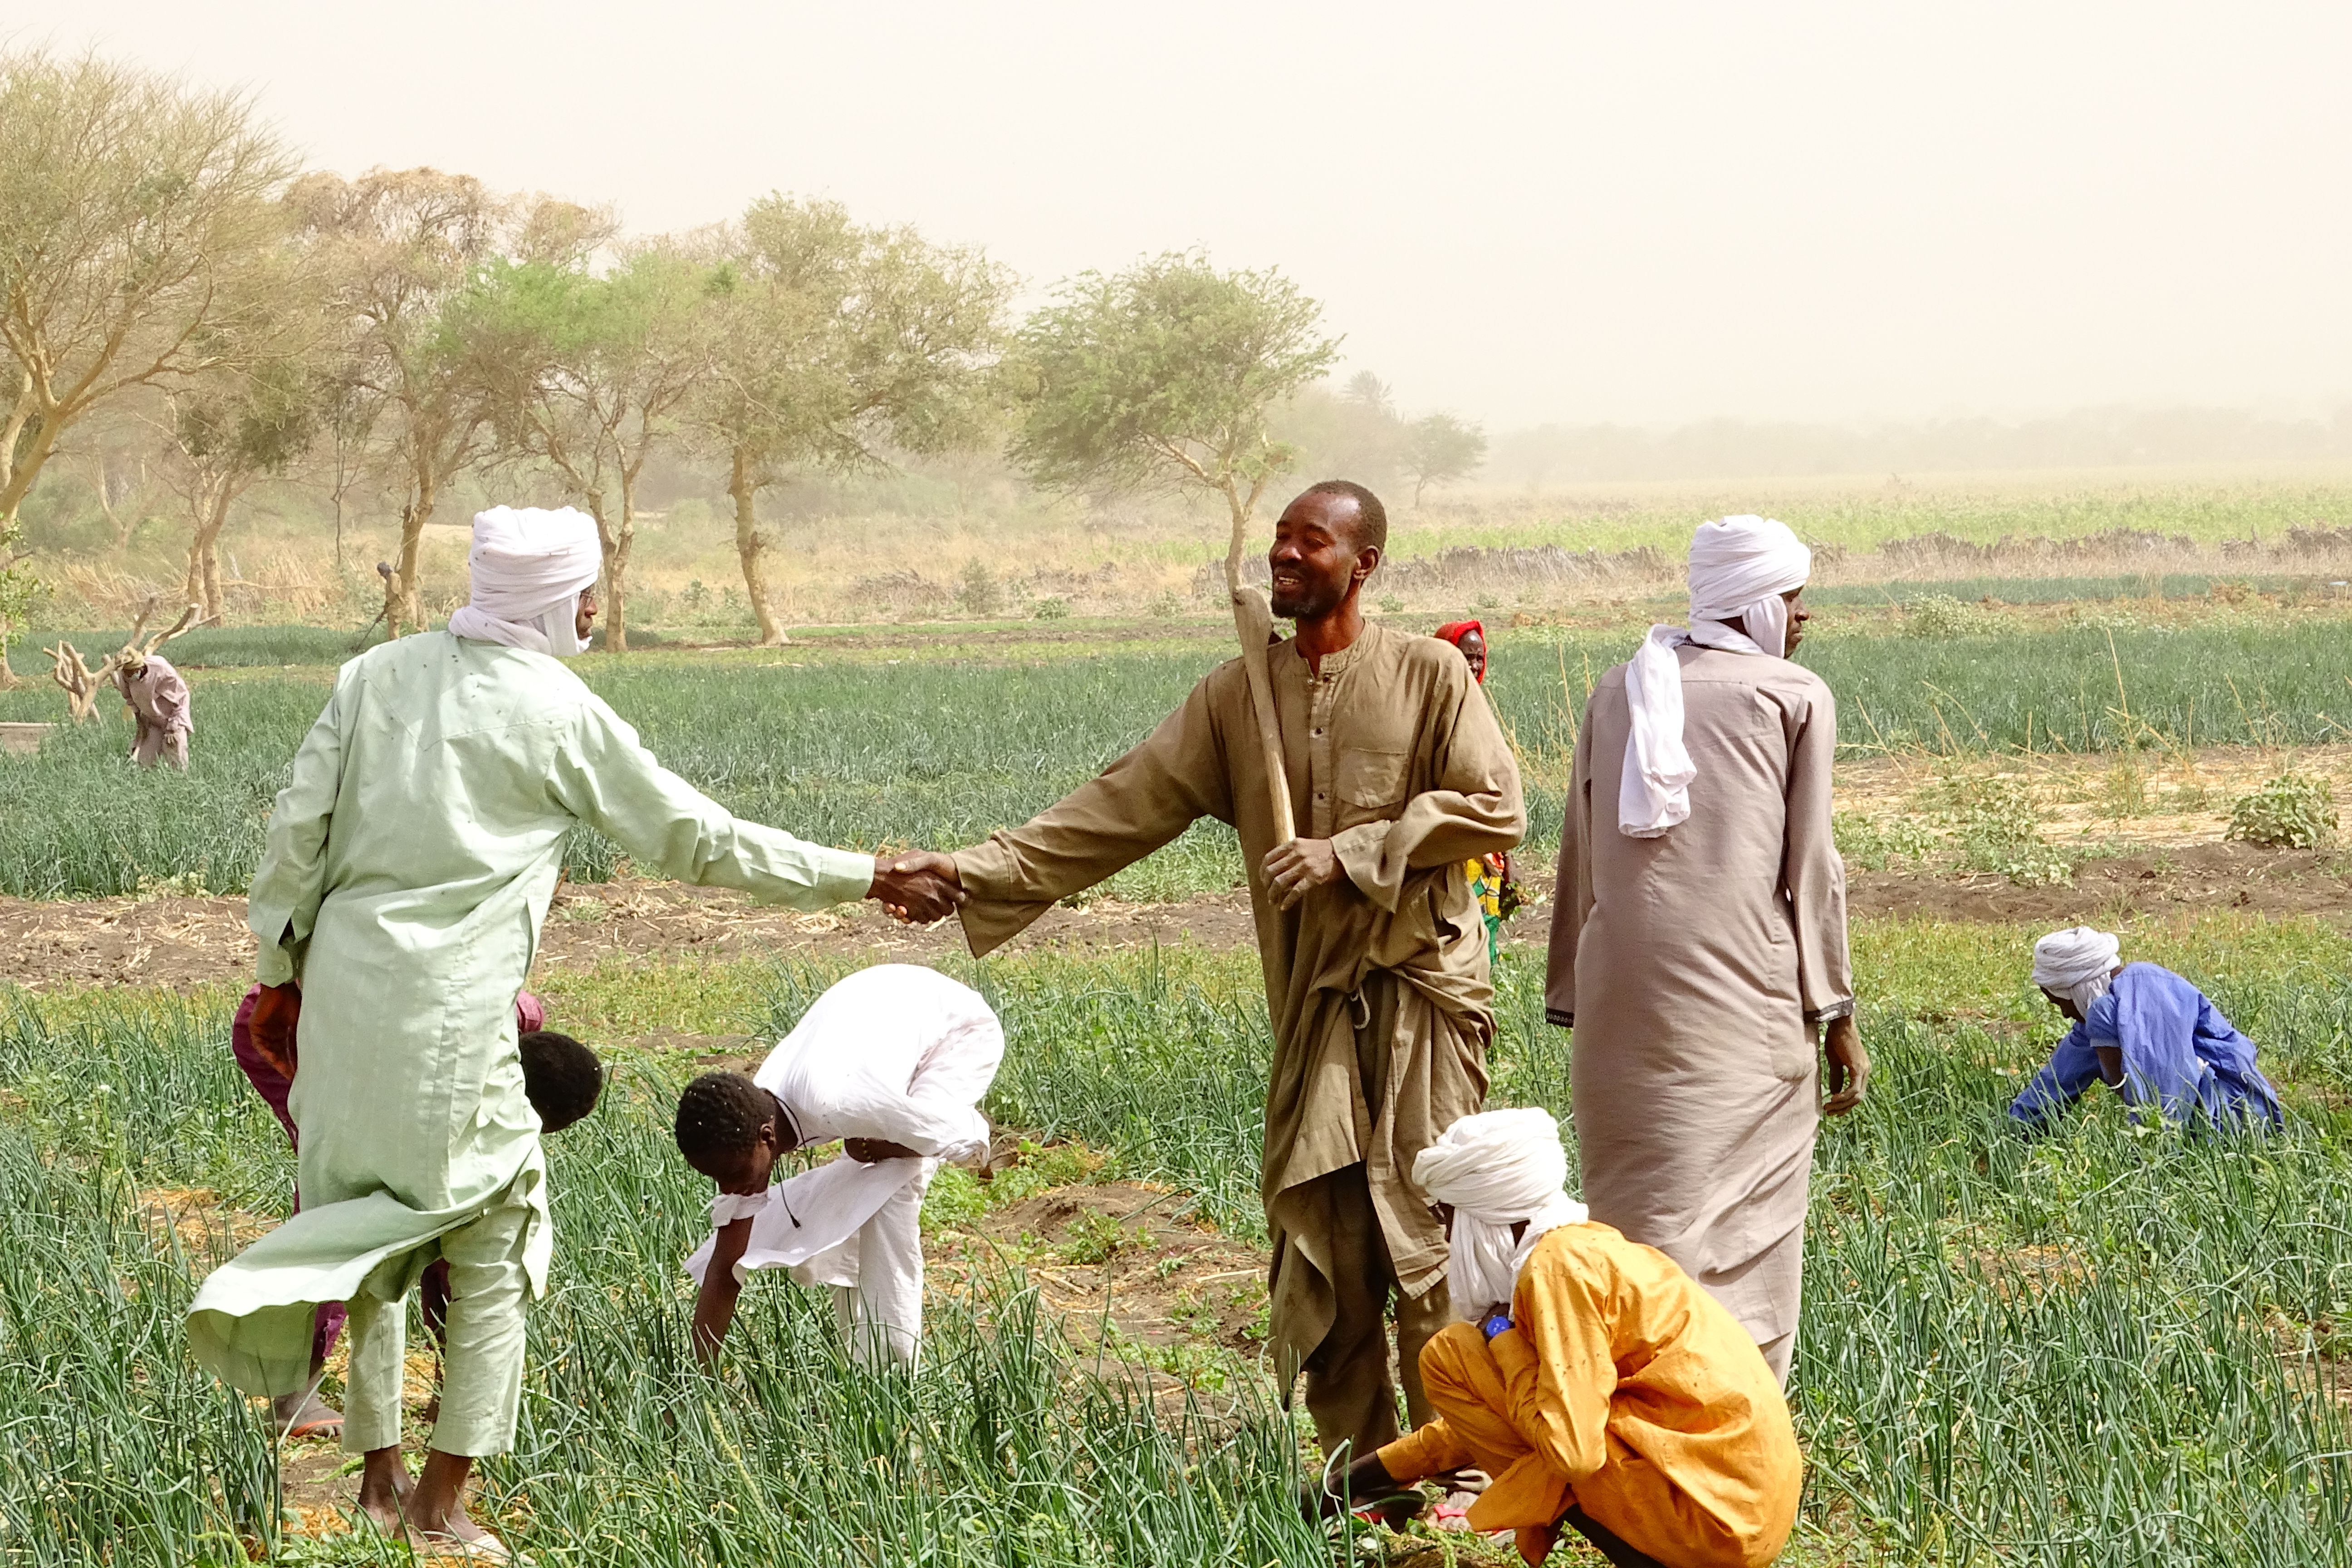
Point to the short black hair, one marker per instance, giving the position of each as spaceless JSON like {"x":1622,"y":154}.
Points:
{"x":1371,"y":517}
{"x":720,"y":1114}
{"x":561,"y":1077}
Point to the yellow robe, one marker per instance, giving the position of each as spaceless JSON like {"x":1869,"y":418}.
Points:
{"x":1625,"y":1390}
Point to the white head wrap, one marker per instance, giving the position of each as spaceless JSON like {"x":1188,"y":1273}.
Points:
{"x":1496,"y":1168}
{"x":1739,"y":567}
{"x":530,"y":567}
{"x":2078,"y":963}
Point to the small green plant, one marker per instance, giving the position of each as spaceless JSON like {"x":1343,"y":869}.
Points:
{"x":955,"y":1200}
{"x":1095,"y":1237}
{"x":1164,"y":606}
{"x":1051,"y":609}
{"x":1874,"y":845}
{"x":980,"y":595}
{"x":1993,"y":821}
{"x":1041,"y":1167}
{"x":1939,"y":615}
{"x":2293,"y":811}
{"x":1391,"y":606}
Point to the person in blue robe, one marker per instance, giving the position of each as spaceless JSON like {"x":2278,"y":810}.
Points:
{"x":2146,"y":1033}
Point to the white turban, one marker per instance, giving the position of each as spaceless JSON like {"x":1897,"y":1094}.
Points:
{"x":1739,"y":567}
{"x":2078,"y":963}
{"x":530,"y":567}
{"x":1496,"y":1168}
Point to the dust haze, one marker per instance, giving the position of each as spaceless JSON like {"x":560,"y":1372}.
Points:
{"x":1573,"y":215}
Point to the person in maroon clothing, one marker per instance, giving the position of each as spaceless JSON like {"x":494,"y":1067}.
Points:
{"x":563,"y":1080}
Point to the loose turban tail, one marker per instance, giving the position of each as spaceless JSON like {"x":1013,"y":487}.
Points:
{"x":529,"y":566}
{"x":1739,"y":567}
{"x":1497,"y":1169}
{"x":2079,"y":963}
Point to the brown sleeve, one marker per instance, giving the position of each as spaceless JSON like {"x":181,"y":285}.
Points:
{"x":1474,"y":808}
{"x":1571,"y":893}
{"x":1140,"y":803}
{"x":1814,"y":875}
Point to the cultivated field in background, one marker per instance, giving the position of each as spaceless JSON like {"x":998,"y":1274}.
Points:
{"x":2110,"y":1344}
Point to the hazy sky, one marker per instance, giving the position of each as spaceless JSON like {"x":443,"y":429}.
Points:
{"x":1565,"y":211}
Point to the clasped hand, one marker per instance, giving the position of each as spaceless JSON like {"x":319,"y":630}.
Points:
{"x":1296,"y":868}
{"x":918,"y":887}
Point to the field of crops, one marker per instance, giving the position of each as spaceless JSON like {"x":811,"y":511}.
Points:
{"x":866,"y":744}
{"x":2105,"y":1346}
{"x":2109,"y":1345}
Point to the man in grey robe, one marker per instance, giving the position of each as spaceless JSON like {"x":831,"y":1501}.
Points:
{"x":1698,"y":942}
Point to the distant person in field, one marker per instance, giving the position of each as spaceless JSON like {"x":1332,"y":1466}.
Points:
{"x":1375,"y":957}
{"x":397,"y":907}
{"x":158,"y":698}
{"x":2147,"y":1034}
{"x":1596,"y":1385}
{"x":891,"y":1060}
{"x":1698,"y":940}
{"x":1493,"y":880}
{"x":562,"y":1078}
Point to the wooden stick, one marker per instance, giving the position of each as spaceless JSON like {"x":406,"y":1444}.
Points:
{"x":1254,"y":623}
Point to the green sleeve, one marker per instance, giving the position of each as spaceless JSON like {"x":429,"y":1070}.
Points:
{"x":607,"y":779}
{"x":282,"y":904}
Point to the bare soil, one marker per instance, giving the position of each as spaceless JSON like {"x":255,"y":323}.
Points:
{"x":2189,"y":877}
{"x":182,"y":942}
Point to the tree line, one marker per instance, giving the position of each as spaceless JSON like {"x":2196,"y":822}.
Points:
{"x":162,"y":250}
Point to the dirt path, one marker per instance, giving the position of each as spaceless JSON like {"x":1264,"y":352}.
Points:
{"x":180,"y":943}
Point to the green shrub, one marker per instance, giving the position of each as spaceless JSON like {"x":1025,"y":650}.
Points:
{"x":980,"y":595}
{"x":1873,"y":845}
{"x":2293,"y":811}
{"x":1994,"y":822}
{"x":1940,"y":616}
{"x":1054,"y":609}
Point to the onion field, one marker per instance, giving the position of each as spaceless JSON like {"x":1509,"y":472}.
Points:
{"x":2106,"y":1346}
{"x":861,"y":750}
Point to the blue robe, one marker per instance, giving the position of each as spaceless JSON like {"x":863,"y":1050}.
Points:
{"x":2180,"y":1056}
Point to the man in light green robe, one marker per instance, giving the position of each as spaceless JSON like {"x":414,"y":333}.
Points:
{"x":408,"y":870}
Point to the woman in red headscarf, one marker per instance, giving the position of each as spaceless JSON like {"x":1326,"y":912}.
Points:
{"x":1491,"y":882}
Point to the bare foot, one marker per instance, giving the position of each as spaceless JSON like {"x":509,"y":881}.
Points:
{"x":306,"y":1416}
{"x":437,"y":1511}
{"x":384,"y":1490}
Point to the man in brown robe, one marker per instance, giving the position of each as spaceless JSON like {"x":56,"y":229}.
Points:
{"x":1698,"y":937}
{"x":1375,"y":956}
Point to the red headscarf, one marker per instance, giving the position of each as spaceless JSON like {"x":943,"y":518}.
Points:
{"x":1455,"y":631}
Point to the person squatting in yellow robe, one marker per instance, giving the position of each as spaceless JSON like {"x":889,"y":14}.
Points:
{"x":1614,"y":1395}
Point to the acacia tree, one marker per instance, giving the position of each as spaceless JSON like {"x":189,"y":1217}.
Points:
{"x":124,"y":197}
{"x":398,"y":251}
{"x":590,"y":373}
{"x":835,"y":340}
{"x":227,"y":432}
{"x":1440,"y":449}
{"x":1163,"y":377}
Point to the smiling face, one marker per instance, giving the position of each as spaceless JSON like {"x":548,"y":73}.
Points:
{"x":1316,"y":561}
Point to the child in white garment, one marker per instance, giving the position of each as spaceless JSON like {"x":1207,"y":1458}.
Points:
{"x":893,"y":1061}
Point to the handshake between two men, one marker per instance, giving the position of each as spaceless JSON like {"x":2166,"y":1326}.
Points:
{"x":922,"y":885}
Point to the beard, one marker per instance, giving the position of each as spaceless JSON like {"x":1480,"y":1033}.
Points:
{"x":1309,"y":601}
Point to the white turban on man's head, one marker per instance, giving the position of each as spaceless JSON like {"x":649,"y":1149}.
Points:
{"x":2078,"y":963}
{"x":529,"y":566}
{"x":1739,"y":567}
{"x":1496,"y":1168}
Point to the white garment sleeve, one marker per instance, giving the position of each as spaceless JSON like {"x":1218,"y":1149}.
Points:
{"x":942,"y":1105}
